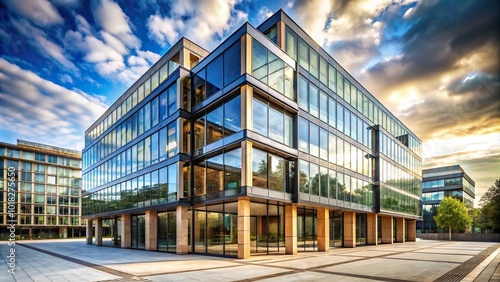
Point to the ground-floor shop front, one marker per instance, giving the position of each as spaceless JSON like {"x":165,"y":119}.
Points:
{"x":246,"y":227}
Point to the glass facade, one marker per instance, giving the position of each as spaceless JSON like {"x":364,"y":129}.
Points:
{"x":275,"y":123}
{"x":440,"y":182}
{"x":45,"y":183}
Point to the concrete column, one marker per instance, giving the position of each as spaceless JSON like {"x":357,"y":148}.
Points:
{"x":243,"y":227}
{"x":412,"y":230}
{"x":372,"y":229}
{"x":63,"y":232}
{"x":98,"y":231}
{"x":280,"y":34}
{"x":400,"y":230}
{"x":246,"y":163}
{"x":291,"y":229}
{"x":349,"y":229}
{"x":89,"y":232}
{"x":323,"y":230}
{"x":182,"y":247}
{"x":125,"y":230}
{"x":387,"y":236}
{"x":151,"y":230}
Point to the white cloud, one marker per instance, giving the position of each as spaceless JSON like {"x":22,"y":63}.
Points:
{"x":40,"y":12}
{"x":64,"y":113}
{"x":206,"y":22}
{"x":264,"y":13}
{"x":65,"y":78}
{"x":148,"y":55}
{"x":112,"y":19}
{"x":68,"y":3}
{"x":55,"y":51}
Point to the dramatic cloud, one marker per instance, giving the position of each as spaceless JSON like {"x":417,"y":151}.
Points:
{"x":111,"y":18}
{"x":62,"y":112}
{"x":205,"y":22}
{"x":40,"y":12}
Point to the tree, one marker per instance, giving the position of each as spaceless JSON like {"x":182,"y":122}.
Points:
{"x":452,"y":213}
{"x":490,"y":208}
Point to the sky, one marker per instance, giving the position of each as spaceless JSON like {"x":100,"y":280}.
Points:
{"x":434,"y":64}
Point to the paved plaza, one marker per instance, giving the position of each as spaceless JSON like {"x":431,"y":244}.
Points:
{"x":73,"y":260}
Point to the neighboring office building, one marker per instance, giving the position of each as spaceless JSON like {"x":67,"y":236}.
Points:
{"x":48,"y":190}
{"x":438,"y":183}
{"x":264,"y":145}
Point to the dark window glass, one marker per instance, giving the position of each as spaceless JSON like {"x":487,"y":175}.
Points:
{"x":163,"y":144}
{"x":172,"y":99}
{"x":154,"y":111}
{"x":276,"y":69}
{"x":214,"y":76}
{"x":232,"y":63}
{"x":303,"y":176}
{"x":164,"y":105}
{"x":232,"y":116}
{"x":303,"y":54}
{"x":277,"y":173}
{"x":199,"y":86}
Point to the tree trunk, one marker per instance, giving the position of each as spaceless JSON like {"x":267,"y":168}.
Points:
{"x":449,"y":232}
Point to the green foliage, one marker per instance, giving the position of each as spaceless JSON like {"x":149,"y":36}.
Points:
{"x":453,"y":214}
{"x":489,"y":218}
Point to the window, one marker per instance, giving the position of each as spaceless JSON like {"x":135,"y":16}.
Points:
{"x":214,"y":76}
{"x":303,"y":176}
{"x":314,"y":140}
{"x":39,"y":157}
{"x":323,"y":106}
{"x":259,"y":168}
{"x":272,"y":123}
{"x":303,"y":54}
{"x":172,"y":140}
{"x":291,"y":43}
{"x":323,"y":141}
{"x":314,"y":63}
{"x":260,"y":117}
{"x":313,"y":100}
{"x":52,"y":159}
{"x":259,"y":61}
{"x":323,"y":71}
{"x":331,"y":112}
{"x":154,"y":111}
{"x":232,"y":116}
{"x":303,"y":93}
{"x":232,"y":63}
{"x":214,"y":125}
{"x":303,"y":135}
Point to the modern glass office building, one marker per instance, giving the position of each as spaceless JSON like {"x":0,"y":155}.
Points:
{"x":441,"y":182}
{"x":264,"y":145}
{"x":40,"y":191}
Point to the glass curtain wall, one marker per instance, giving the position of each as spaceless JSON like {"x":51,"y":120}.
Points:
{"x":336,"y":229}
{"x":167,"y":231}
{"x":138,"y":231}
{"x":361,"y":229}
{"x":267,"y":228}
{"x":215,"y":229}
{"x":307,"y":226}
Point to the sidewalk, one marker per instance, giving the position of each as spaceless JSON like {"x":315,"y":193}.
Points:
{"x":73,"y":260}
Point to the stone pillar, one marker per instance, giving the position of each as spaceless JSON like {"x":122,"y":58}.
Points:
{"x":323,"y":230}
{"x":243,"y":227}
{"x":98,"y":231}
{"x":387,"y":236}
{"x":291,"y":229}
{"x":372,"y":235}
{"x":126,"y":232}
{"x":400,"y":230}
{"x":89,"y":232}
{"x":182,"y":219}
{"x":349,"y":229}
{"x":246,"y":163}
{"x":412,"y":230}
{"x":151,"y":230}
{"x":63,"y":232}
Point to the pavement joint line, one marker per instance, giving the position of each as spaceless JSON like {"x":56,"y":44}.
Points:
{"x":461,"y":271}
{"x":81,"y":262}
{"x":185,"y":271}
{"x":319,"y":268}
{"x":476,"y":272}
{"x":428,"y":260}
{"x":378,"y":278}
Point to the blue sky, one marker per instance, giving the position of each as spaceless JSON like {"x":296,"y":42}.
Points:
{"x":433,"y":63}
